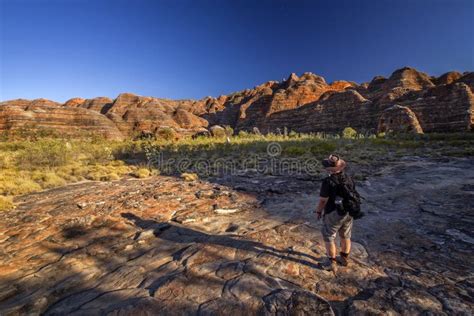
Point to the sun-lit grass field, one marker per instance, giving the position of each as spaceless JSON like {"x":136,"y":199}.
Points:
{"x":33,"y":165}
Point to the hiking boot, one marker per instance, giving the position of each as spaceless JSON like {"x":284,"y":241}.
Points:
{"x":344,"y":259}
{"x":329,"y":264}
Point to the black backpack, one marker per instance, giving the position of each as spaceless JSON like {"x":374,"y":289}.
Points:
{"x":351,"y":199}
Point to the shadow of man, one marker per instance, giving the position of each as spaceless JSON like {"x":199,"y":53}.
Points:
{"x":180,"y":234}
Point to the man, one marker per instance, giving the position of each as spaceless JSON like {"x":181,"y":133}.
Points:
{"x":335,"y":220}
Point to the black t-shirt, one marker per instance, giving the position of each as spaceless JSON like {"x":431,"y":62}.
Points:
{"x":329,"y":189}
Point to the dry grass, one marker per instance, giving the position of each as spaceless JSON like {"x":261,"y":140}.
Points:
{"x":189,"y":177}
{"x":6,"y":203}
{"x":141,"y":173}
{"x":29,"y":166}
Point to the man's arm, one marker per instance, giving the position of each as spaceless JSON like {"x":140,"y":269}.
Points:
{"x":321,"y":205}
{"x":323,"y":198}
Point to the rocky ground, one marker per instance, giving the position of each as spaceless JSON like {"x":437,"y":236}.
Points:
{"x":242,"y":245}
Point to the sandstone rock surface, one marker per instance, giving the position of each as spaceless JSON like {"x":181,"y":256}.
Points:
{"x":446,"y":107}
{"x":303,"y":103}
{"x":399,"y":119}
{"x":44,"y":115}
{"x":157,"y":246}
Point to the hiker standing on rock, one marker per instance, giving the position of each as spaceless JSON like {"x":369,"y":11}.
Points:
{"x":339,"y":205}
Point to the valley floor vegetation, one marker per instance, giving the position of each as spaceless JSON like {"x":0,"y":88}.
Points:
{"x":42,"y":163}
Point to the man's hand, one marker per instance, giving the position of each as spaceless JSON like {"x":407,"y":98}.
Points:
{"x":320,"y":208}
{"x":319,"y":215}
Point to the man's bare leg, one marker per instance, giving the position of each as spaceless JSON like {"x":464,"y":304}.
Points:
{"x":331,"y":263}
{"x":331,"y":249}
{"x":345,"y":250}
{"x":345,"y":245}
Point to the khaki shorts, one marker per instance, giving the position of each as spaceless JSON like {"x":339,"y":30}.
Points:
{"x":333,"y":223}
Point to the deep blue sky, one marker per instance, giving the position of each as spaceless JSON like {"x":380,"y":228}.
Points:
{"x":190,"y":49}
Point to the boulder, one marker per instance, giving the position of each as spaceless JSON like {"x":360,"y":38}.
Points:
{"x":399,"y":119}
{"x":201,"y":133}
{"x":217,"y":130}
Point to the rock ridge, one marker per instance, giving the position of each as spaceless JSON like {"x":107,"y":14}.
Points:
{"x":305,"y":103}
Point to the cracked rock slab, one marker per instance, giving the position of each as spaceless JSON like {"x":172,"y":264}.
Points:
{"x":132,"y":249}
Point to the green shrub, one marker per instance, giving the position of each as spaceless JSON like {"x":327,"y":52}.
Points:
{"x":44,"y":153}
{"x":97,"y":153}
{"x":349,"y":133}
